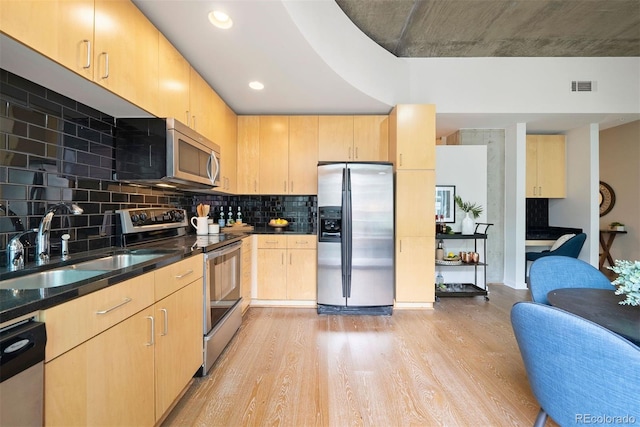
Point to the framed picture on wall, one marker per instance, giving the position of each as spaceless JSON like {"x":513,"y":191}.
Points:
{"x":445,"y":202}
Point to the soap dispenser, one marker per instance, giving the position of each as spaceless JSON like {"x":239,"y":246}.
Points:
{"x":65,"y":247}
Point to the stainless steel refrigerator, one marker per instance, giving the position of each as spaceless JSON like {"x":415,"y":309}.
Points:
{"x":355,"y":238}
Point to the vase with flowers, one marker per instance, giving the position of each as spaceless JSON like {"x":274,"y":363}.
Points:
{"x":470,"y":209}
{"x":628,"y":281}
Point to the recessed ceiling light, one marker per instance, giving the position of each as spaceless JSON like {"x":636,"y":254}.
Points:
{"x":220,"y":19}
{"x":256,"y":85}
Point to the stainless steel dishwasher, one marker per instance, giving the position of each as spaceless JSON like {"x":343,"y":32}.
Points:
{"x":22,"y":373}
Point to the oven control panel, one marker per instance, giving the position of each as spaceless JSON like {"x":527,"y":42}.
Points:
{"x":146,"y":219}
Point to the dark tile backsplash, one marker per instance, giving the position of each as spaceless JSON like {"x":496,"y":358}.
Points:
{"x":537,"y":213}
{"x":300,"y":211}
{"x":54,"y":149}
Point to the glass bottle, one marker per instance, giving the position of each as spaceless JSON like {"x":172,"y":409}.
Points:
{"x":221,"y":221}
{"x":239,"y":216}
{"x":440,"y":281}
{"x":440,"y":250}
{"x":230,"y":217}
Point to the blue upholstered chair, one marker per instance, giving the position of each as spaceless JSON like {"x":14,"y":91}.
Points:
{"x":578,"y":370}
{"x":555,"y":272}
{"x":571,"y":248}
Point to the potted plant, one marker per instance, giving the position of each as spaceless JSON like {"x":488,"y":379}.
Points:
{"x":470,"y":209}
{"x":628,"y":281}
{"x":616,"y":226}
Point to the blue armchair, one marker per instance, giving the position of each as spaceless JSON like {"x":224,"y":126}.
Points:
{"x":571,"y":248}
{"x":555,"y":272}
{"x":580,"y":372}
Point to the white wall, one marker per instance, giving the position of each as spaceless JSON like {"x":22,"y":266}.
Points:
{"x":493,"y":139}
{"x":579,"y":208}
{"x":464,"y":166}
{"x":466,"y":85}
{"x":514,"y":233}
{"x":522,"y":85}
{"x":620,"y":168}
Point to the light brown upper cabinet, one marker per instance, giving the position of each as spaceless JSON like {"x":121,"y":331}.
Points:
{"x":64,"y":30}
{"x":412,"y":136}
{"x":248,"y":172}
{"x":371,"y":138}
{"x":335,"y":138}
{"x":303,"y":155}
{"x":274,"y":154}
{"x":546,"y":168}
{"x":173,"y":83}
{"x":107,"y":41}
{"x":353,"y":138}
{"x":200,"y":104}
{"x":226,"y":136}
{"x":277,"y":154}
{"x":126,"y":52}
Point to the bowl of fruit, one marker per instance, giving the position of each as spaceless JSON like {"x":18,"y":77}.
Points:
{"x":278,"y":223}
{"x":450,"y":259}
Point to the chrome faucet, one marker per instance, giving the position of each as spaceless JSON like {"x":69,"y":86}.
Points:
{"x":15,"y":251}
{"x":42,"y":239}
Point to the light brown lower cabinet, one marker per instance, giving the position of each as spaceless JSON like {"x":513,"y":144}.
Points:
{"x":178,"y":343}
{"x":106,"y":381}
{"x":132,"y":372}
{"x":415,"y":278}
{"x":246,"y":271}
{"x":287,"y":267}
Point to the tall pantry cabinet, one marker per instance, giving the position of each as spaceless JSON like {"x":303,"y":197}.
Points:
{"x":412,"y":150}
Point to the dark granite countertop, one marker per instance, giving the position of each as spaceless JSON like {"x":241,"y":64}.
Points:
{"x":286,"y":230}
{"x":19,"y":302}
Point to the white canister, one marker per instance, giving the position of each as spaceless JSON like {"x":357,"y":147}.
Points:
{"x":214,"y":229}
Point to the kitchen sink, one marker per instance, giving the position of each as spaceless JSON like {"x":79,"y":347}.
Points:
{"x":50,"y":278}
{"x":82,"y":271}
{"x":118,"y":261}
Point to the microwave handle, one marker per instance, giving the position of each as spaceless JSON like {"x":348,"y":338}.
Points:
{"x":214,"y":159}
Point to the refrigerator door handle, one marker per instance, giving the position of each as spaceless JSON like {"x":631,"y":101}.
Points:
{"x":348,"y":233}
{"x":343,"y":249}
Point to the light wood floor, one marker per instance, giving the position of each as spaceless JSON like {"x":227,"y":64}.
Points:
{"x":455,"y":365}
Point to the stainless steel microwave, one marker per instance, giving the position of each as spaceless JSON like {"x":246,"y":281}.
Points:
{"x":165,"y":152}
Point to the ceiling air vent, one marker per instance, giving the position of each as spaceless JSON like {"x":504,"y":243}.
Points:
{"x":582,"y":86}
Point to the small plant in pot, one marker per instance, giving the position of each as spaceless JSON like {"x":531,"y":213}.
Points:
{"x":470,"y":209}
{"x":616,"y":226}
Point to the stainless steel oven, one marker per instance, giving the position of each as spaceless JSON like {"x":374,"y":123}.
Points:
{"x":222,"y":312}
{"x":222,"y":315}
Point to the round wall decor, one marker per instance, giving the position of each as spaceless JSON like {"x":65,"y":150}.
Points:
{"x":607,"y":198}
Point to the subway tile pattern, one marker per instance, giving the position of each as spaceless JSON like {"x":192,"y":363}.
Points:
{"x":54,"y":149}
{"x":537,"y":213}
{"x":300,"y":211}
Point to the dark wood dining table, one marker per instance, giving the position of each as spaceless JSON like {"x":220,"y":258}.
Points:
{"x":601,"y":306}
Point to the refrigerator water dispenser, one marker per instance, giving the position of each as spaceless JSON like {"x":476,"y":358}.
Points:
{"x":330,"y":223}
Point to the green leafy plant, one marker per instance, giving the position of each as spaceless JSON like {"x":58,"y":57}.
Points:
{"x":616,"y":224}
{"x":473,"y":208}
{"x":628,"y":281}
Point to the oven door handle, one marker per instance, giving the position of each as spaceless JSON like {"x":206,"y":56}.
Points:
{"x":223,"y":251}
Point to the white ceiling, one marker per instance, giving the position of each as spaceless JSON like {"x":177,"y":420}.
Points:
{"x":302,"y":75}
{"x":271,"y":41}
